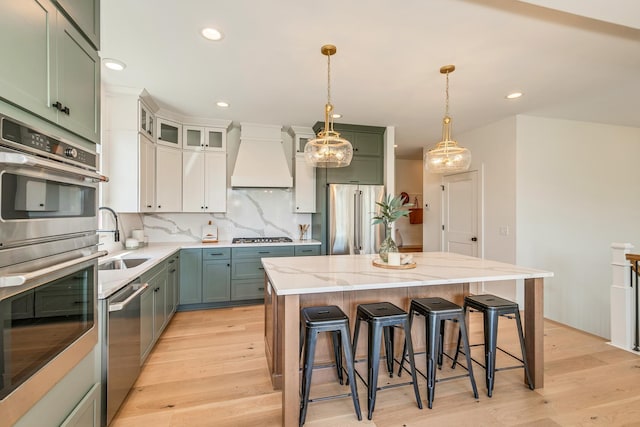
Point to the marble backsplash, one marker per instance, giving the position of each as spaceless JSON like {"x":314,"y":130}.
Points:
{"x":250,"y":213}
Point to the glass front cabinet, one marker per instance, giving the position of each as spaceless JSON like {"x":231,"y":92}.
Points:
{"x":169,"y":133}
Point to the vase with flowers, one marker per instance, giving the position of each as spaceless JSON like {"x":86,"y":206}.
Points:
{"x":390,"y":210}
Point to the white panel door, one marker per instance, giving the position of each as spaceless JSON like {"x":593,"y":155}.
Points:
{"x":169,"y":179}
{"x":192,"y":181}
{"x":215,"y":185}
{"x":460,"y":213}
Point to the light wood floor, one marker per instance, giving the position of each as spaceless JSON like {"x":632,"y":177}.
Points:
{"x":209,"y":369}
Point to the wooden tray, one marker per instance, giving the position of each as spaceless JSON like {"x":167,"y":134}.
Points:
{"x":382,"y":264}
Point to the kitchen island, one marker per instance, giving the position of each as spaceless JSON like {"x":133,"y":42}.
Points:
{"x":349,"y":280}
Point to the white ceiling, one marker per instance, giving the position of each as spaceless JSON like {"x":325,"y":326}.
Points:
{"x":386,"y":71}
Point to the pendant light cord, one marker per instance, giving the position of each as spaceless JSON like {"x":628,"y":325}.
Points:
{"x":446,"y":108}
{"x":329,"y":79}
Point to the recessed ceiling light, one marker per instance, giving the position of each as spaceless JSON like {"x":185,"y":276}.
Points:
{"x":336,"y":115}
{"x":222,"y":104}
{"x":114,"y":64}
{"x":212,"y":34}
{"x":514,"y":95}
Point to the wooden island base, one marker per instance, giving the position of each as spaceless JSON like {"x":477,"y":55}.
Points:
{"x":348,"y":302}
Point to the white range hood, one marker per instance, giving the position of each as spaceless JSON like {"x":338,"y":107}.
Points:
{"x":261,"y":160}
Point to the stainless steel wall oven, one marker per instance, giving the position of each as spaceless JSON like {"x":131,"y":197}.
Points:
{"x":48,"y":261}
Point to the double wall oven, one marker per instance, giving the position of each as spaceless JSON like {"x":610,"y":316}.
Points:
{"x":48,"y":261}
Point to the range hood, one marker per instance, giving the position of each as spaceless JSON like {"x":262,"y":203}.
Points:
{"x":261,"y":160}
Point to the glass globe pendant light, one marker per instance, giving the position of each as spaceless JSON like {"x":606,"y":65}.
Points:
{"x":447,"y":156}
{"x":328,"y":149}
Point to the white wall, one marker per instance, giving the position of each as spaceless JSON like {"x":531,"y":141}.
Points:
{"x":409,"y":180}
{"x":576,"y":194}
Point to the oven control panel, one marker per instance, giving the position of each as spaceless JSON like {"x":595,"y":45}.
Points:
{"x":21,"y":137}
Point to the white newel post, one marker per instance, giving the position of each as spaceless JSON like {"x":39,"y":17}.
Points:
{"x":622,"y":309}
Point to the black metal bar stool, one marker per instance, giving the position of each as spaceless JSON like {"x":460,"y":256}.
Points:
{"x":314,"y":320}
{"x":492,"y":307}
{"x":436,"y":311}
{"x":382,"y":317}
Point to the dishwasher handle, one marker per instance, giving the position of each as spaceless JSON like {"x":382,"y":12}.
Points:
{"x":122,"y":304}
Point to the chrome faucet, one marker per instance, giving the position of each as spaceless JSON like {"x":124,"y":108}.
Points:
{"x":116,"y":232}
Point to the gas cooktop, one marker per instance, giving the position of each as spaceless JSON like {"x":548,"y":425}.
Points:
{"x":261,"y":240}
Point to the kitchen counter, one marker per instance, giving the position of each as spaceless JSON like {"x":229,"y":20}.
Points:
{"x":110,"y":281}
{"x":349,"y":280}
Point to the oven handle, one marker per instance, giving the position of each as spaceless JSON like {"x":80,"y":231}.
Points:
{"x":22,"y":159}
{"x":21,"y":279}
{"x":120,"y":305}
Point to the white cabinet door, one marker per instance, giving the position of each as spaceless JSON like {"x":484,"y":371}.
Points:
{"x":146,"y":120}
{"x":304,"y":186}
{"x":168,"y":179}
{"x":192,"y":137}
{"x":192,"y":181}
{"x":216,"y":182}
{"x":169,"y":133}
{"x":147,"y":174}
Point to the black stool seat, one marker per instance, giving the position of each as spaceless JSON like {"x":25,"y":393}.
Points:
{"x":492,"y":307}
{"x":490,"y":302}
{"x":314,"y":320}
{"x":436,"y":311}
{"x":324,"y":317}
{"x":382,"y":317}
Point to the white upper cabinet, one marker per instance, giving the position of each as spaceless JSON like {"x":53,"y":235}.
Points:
{"x":204,"y":138}
{"x":304,"y":180}
{"x":169,"y":133}
{"x":168,"y":179}
{"x":204,"y":182}
{"x":146,"y":120}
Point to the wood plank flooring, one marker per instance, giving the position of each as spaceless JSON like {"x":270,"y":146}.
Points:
{"x":209,"y":369}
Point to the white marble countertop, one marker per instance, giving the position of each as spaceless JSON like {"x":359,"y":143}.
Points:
{"x":307,"y":275}
{"x":110,"y":281}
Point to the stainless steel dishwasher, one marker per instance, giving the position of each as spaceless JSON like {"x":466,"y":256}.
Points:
{"x":121,"y":347}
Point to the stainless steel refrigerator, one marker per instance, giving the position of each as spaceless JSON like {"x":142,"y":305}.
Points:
{"x":350,"y":209}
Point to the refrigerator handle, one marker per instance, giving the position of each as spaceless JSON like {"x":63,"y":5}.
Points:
{"x":356,"y":222}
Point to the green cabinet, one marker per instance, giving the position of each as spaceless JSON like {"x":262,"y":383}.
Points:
{"x":216,"y":280}
{"x":146,"y":323}
{"x":153,"y":313}
{"x":86,"y":16}
{"x":247,"y":273}
{"x":367,"y":165}
{"x":173,"y":282}
{"x":55,"y":73}
{"x":307,"y":250}
{"x":190,"y":276}
{"x":205,"y":276}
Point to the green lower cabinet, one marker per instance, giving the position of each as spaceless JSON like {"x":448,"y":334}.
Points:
{"x":216,"y":277}
{"x":190,"y":276}
{"x":87,"y":412}
{"x":227,"y":276}
{"x":146,"y":323}
{"x":173,"y":282}
{"x":247,"y":289}
{"x":307,"y":250}
{"x":159,"y":284}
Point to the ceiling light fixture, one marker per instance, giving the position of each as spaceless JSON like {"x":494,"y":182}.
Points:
{"x":222,"y":104}
{"x":114,"y":64}
{"x":211,"y":34}
{"x":514,"y":95}
{"x":447,"y":156}
{"x":328,"y":150}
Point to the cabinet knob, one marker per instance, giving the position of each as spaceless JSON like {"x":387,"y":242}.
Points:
{"x":159,"y":206}
{"x":148,"y":206}
{"x":66,"y":110}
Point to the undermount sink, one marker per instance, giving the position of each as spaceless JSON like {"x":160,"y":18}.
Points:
{"x":121,"y":263}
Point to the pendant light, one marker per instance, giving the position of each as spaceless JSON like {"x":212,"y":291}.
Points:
{"x":328,"y":149}
{"x":447,"y":156}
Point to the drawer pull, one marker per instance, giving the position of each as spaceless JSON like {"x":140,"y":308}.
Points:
{"x":261,"y":289}
{"x":260,"y":268}
{"x":216,"y":254}
{"x":264,"y":252}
